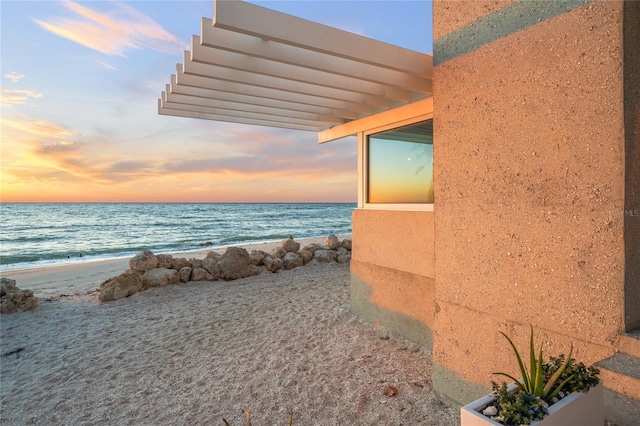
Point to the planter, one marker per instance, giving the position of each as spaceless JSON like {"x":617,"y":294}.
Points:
{"x":577,"y":409}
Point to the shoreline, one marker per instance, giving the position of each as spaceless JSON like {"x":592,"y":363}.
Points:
{"x":85,"y":277}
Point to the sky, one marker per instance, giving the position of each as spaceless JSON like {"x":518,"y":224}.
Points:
{"x":79,"y":87}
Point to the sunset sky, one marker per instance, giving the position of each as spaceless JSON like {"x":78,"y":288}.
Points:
{"x":79,"y":122}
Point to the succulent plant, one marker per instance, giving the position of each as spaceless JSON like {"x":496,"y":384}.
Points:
{"x":539,"y":385}
{"x":534,"y":380}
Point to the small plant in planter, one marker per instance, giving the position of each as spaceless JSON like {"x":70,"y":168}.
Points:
{"x":533,"y":398}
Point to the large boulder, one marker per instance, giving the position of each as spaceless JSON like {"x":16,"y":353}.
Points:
{"x":313,"y":247}
{"x":324,"y":256}
{"x":210,"y":264}
{"x":13,"y":299}
{"x":179,"y":263}
{"x":160,"y":277}
{"x":306,"y":256}
{"x":292,"y":260}
{"x":165,"y":261}
{"x":143,"y":261}
{"x":346,"y":243}
{"x":125,"y":284}
{"x":289,"y":245}
{"x":255,"y":270}
{"x":185,"y":274}
{"x":343,"y":255}
{"x":212,"y":255}
{"x":257,"y":257}
{"x":278,"y":252}
{"x":201,"y":274}
{"x":332,"y":242}
{"x":234,"y":264}
{"x":273,"y":264}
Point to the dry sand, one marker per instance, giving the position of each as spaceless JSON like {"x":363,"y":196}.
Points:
{"x":195,"y":353}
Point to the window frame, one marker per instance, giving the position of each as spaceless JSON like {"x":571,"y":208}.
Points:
{"x":363,"y":167}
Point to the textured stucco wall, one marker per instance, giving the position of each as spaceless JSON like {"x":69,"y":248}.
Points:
{"x":529,"y":172}
{"x":392,"y":271}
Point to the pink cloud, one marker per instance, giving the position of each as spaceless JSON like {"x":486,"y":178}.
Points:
{"x":112,"y":33}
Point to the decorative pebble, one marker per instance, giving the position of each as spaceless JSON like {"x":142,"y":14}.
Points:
{"x":490,"y":411}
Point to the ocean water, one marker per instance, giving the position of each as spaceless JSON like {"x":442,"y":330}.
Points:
{"x":41,"y":234}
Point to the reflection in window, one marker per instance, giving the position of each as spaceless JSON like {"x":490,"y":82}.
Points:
{"x":400,"y":165}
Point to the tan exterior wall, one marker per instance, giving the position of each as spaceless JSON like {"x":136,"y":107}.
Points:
{"x":392,"y":270}
{"x":529,"y":172}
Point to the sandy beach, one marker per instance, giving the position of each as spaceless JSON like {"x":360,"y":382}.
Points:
{"x":195,"y":353}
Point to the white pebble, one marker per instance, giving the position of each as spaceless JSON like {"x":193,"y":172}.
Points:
{"x":490,"y":411}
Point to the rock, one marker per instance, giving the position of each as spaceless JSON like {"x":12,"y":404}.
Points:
{"x":278,"y":252}
{"x":324,"y":256}
{"x":390,"y":391}
{"x":292,"y":260}
{"x":255,"y":270}
{"x":332,"y":242}
{"x":306,"y":256}
{"x":143,"y":261}
{"x":289,"y":245}
{"x":313,"y":247}
{"x":257,"y":257}
{"x":342,"y":255}
{"x":124,"y":285}
{"x":160,"y":277}
{"x":179,"y":263}
{"x":13,"y":299}
{"x":165,"y":261}
{"x":210,"y":264}
{"x":346,"y":244}
{"x":201,"y":274}
{"x":213,"y":255}
{"x":234,"y":263}
{"x":273,"y":264}
{"x":185,"y":274}
{"x":196,"y":263}
{"x":490,"y":411}
{"x":7,"y":285}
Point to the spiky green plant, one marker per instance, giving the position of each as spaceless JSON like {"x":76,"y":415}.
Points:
{"x":533,"y":380}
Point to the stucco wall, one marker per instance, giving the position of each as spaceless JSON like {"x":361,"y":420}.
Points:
{"x":529,"y":172}
{"x":392,"y":271}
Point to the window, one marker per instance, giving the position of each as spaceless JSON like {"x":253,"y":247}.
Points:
{"x":399,"y":164}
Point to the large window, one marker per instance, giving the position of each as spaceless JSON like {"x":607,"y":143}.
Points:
{"x":400,"y":165}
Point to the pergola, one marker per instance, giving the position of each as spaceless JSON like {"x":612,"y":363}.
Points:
{"x":253,"y":65}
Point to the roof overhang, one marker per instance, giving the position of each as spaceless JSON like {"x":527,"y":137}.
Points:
{"x":253,"y":65}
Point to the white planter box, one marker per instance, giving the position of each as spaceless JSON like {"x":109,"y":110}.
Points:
{"x":577,"y":409}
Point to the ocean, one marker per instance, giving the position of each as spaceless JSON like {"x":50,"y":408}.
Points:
{"x":42,"y":234}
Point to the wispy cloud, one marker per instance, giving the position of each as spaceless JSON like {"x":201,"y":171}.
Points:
{"x":41,"y":128}
{"x":112,"y":33}
{"x":17,"y":97}
{"x":107,"y":66}
{"x":14,"y":76}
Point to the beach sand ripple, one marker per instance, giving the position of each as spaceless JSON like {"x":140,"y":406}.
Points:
{"x":194,"y":353}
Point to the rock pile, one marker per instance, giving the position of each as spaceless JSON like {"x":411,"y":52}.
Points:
{"x":147,"y":270}
{"x":13,"y":299}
